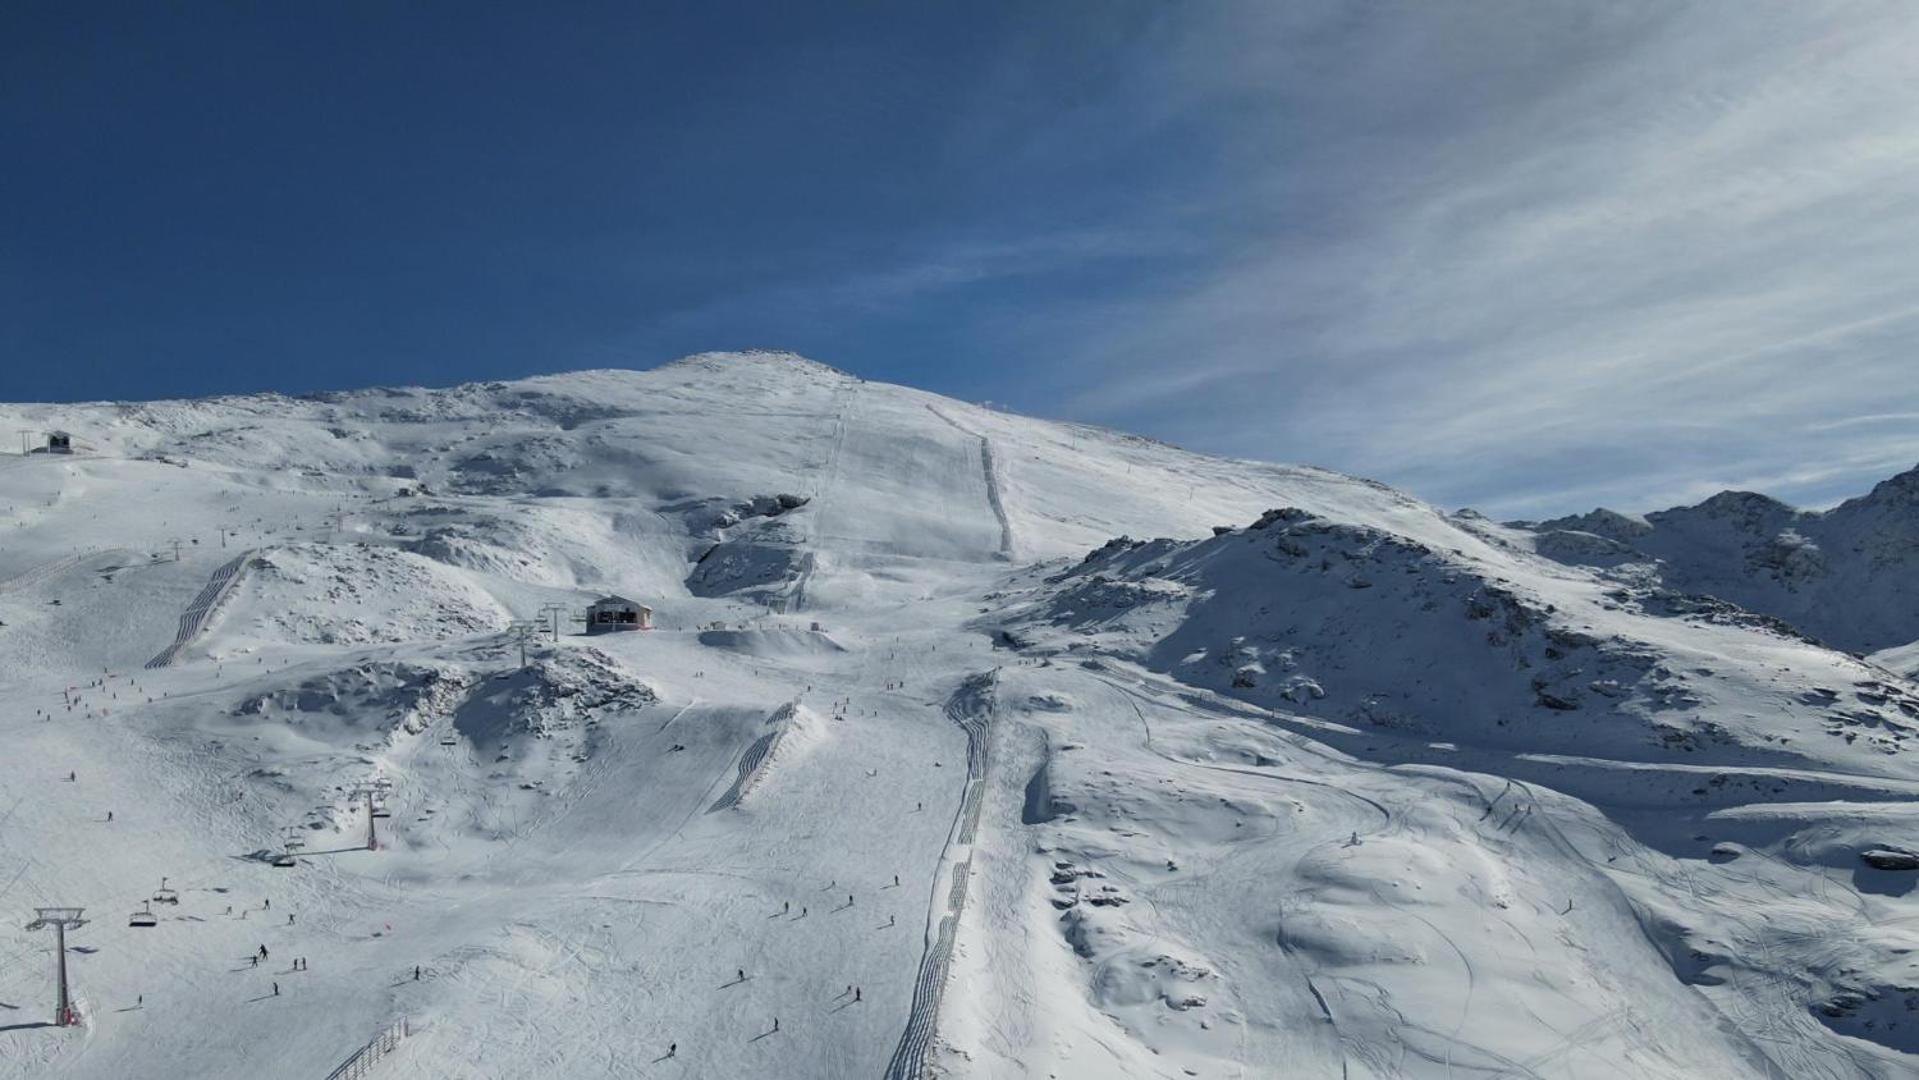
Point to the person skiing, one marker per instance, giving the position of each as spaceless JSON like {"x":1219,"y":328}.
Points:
{"x":741,"y":975}
{"x":786,"y":908}
{"x":276,"y":989}
{"x":896,"y":881}
{"x":254,"y":960}
{"x":776,"y":1023}
{"x":849,"y":899}
{"x":856,"y":993}
{"x":672,"y":1049}
{"x":416,"y":973}
{"x":892,"y":920}
{"x":289,"y":920}
{"x":109,"y":815}
{"x":267,"y":903}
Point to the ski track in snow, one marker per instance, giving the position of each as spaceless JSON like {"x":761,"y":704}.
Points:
{"x":974,"y":716}
{"x":1218,"y":815}
{"x":990,"y":469}
{"x":194,"y":619}
{"x":822,"y":493}
{"x":753,"y":763}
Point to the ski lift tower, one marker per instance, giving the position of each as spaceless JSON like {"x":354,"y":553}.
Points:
{"x":553,"y":612}
{"x":60,"y":920}
{"x":367,"y":791}
{"x":522,"y":631}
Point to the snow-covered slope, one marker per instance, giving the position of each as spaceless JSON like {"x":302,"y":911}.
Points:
{"x":923,"y":769}
{"x":1849,"y":576}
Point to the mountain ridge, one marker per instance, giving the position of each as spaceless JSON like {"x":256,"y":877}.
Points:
{"x":1319,"y":781}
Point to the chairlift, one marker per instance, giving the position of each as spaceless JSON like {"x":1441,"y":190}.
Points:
{"x":284,"y":860}
{"x":164,"y":895}
{"x":449,"y":739}
{"x":294,"y":840}
{"x":380,"y":810}
{"x":144,"y":917}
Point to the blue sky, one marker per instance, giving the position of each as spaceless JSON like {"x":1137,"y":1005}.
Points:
{"x":1527,"y":256}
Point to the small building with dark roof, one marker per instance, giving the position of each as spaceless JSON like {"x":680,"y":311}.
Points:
{"x":611,"y":613}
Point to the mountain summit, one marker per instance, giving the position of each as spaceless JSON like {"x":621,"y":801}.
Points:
{"x":945,"y":742}
{"x":1849,"y":575}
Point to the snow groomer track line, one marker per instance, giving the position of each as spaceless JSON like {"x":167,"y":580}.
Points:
{"x":753,"y":762}
{"x":194,"y":619}
{"x":971,"y":707}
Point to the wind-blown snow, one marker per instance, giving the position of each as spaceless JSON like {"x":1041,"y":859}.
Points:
{"x":1320,"y":782}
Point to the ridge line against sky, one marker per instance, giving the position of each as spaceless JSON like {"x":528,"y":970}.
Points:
{"x":1529,"y":257}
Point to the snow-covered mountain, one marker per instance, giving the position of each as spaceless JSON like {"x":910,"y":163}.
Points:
{"x":1848,"y":576}
{"x":927,"y":768}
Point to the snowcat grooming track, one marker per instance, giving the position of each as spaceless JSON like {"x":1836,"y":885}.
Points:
{"x":753,"y":762}
{"x":971,"y":706}
{"x":194,"y":619}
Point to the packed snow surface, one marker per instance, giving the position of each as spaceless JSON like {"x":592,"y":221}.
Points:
{"x":965,"y":745}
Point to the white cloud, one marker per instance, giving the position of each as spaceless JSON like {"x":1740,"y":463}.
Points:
{"x":1649,"y":246}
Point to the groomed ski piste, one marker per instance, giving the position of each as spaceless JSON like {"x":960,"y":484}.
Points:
{"x":923,"y":771}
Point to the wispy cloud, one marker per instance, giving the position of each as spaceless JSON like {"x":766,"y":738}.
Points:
{"x":1521,"y":255}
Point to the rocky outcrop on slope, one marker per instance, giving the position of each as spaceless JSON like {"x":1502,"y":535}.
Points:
{"x":1848,"y":576}
{"x":1378,"y":631}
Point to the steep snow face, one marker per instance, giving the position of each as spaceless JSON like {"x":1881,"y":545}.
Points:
{"x":1848,"y":576}
{"x":340,"y":595}
{"x":924,"y":759}
{"x":1370,"y":629}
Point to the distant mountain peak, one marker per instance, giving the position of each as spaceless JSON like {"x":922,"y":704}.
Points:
{"x":1845,"y":575}
{"x":1901,"y":490}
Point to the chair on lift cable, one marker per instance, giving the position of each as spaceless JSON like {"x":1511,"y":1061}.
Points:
{"x":144,"y":917}
{"x":284,"y":859}
{"x":164,"y":895}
